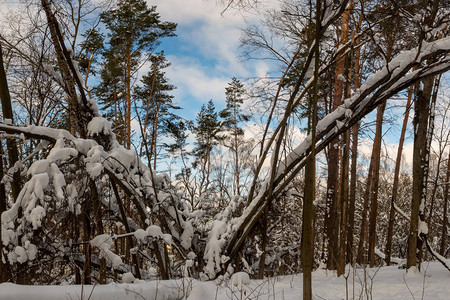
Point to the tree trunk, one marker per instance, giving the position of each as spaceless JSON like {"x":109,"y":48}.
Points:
{"x":134,"y":256}
{"x":128,"y":97}
{"x":99,"y":227}
{"x":355,"y":131}
{"x":361,"y":255}
{"x":332,"y":218}
{"x":443,"y":247}
{"x":352,"y":198}
{"x":421,"y":110}
{"x":5,"y":271}
{"x":13,"y":157}
{"x":344,"y":204}
{"x":262,"y":258}
{"x":388,"y":249}
{"x":13,"y":153}
{"x":307,"y":254}
{"x":376,"y":153}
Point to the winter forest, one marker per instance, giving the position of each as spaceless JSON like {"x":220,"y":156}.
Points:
{"x":325,"y":177}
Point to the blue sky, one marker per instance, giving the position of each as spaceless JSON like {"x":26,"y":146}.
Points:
{"x":205,"y":53}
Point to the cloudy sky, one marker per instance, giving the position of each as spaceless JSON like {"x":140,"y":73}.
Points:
{"x":205,"y":53}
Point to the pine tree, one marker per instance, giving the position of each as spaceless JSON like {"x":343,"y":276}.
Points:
{"x":207,"y":135}
{"x":157,"y":107}
{"x":233,"y":117}
{"x":135,"y":31}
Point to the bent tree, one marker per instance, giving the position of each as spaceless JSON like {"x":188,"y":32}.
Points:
{"x":86,"y":176}
{"x":426,"y":59}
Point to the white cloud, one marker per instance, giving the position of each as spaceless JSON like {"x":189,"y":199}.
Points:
{"x":208,"y":51}
{"x":201,"y":24}
{"x":191,"y":78}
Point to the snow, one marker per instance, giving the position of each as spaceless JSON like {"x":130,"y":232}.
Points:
{"x":240,"y":280}
{"x":61,"y":153}
{"x":99,"y":125}
{"x":38,"y":167}
{"x":423,"y":228}
{"x":395,"y":260}
{"x":21,"y":254}
{"x":94,"y":169}
{"x":128,"y":278}
{"x":154,"y":231}
{"x":213,"y":248}
{"x":103,"y":242}
{"x":31,"y":250}
{"x":377,"y":283}
{"x":140,"y":234}
{"x":36,"y":216}
{"x":187,"y":235}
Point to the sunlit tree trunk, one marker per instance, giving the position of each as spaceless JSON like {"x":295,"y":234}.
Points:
{"x":388,"y":249}
{"x":332,"y":219}
{"x":421,"y":111}
{"x":355,"y":132}
{"x":352,"y":194}
{"x":307,"y":254}
{"x":376,"y":155}
{"x":361,"y":254}
{"x":128,"y":95}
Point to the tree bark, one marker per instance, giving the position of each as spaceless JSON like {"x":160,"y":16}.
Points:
{"x":13,"y":153}
{"x":307,"y":254}
{"x":376,"y":155}
{"x":99,"y":227}
{"x":332,"y":203}
{"x":421,"y":111}
{"x":352,"y":197}
{"x":134,"y":256}
{"x":361,"y":254}
{"x":344,"y":204}
{"x":443,"y":246}
{"x":388,"y":249}
{"x":355,"y":132}
{"x":13,"y":157}
{"x":5,"y":271}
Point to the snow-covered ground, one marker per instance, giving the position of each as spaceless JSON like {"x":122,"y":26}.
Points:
{"x":378,"y":283}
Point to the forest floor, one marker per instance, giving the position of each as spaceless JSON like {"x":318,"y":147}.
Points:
{"x":377,"y":283}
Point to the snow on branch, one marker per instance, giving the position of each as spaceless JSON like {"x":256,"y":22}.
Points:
{"x":47,"y":181}
{"x":429,"y":58}
{"x":439,"y":257}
